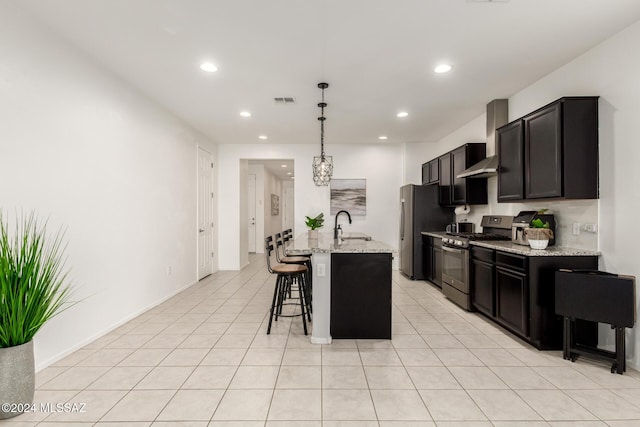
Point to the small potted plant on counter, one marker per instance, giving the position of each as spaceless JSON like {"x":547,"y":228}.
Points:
{"x":314,"y":224}
{"x":539,"y":234}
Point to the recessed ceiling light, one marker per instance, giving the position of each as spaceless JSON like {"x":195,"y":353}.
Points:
{"x":289,"y":173}
{"x":382,"y":137}
{"x":262,"y":137}
{"x":442,"y":68}
{"x":245,"y":114}
{"x":208,"y":67}
{"x":402,"y":114}
{"x":283,"y":166}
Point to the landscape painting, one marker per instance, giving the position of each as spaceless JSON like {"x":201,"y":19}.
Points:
{"x":349,"y":195}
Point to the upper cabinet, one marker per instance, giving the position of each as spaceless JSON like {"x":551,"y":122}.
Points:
{"x":445,"y":193}
{"x":456,"y":191}
{"x":430,"y":172}
{"x":550,"y":153}
{"x":510,"y":147}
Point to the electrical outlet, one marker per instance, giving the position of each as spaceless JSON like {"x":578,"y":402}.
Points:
{"x":591,"y":228}
{"x":321,"y":270}
{"x":169,"y":270}
{"x":576,"y":228}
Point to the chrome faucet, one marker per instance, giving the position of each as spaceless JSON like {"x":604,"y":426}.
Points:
{"x":337,"y":227}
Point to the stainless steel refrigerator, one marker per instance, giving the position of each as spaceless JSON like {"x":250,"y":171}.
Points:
{"x":419,"y":211}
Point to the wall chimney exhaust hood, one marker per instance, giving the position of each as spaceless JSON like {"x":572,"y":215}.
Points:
{"x":497,"y":115}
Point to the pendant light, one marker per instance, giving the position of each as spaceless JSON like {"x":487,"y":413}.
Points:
{"x":322,"y":164}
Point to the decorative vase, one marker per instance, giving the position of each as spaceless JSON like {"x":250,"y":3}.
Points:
{"x":538,"y":244}
{"x":313,"y":234}
{"x":538,"y":237}
{"x":17,"y":378}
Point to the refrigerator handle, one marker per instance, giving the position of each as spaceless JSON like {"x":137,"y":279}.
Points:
{"x":402,"y":219}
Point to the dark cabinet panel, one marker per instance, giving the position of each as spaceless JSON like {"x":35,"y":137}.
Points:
{"x":551,"y":153}
{"x":512,"y":300}
{"x":425,"y":173}
{"x":437,"y":262}
{"x":456,"y":191}
{"x":434,"y":171}
{"x":483,"y":291}
{"x":432,"y":259}
{"x":445,"y":186}
{"x":543,"y":153}
{"x":361,"y":295}
{"x":510,"y":146}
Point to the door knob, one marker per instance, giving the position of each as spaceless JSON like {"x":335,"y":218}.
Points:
{"x":201,"y":230}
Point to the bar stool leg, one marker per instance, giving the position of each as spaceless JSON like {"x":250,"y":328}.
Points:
{"x":302,"y":303}
{"x":273,"y":304}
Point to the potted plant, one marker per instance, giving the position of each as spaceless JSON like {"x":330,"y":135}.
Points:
{"x":314,"y":224}
{"x":538,"y":234}
{"x":33,"y":289}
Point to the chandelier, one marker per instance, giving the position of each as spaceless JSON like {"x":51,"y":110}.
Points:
{"x":322,"y":164}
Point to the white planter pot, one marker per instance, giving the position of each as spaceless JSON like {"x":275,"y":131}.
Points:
{"x":313,"y":234}
{"x":538,"y":244}
{"x":17,"y":378}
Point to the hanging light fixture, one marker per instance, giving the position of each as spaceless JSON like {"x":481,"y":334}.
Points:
{"x":322,"y":164}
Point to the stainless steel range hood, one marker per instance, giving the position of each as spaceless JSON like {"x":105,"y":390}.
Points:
{"x":497,"y":115}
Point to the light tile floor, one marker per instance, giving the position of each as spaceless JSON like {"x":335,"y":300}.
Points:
{"x":203,"y":359}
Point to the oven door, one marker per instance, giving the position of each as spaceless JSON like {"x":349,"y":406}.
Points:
{"x":455,"y":268}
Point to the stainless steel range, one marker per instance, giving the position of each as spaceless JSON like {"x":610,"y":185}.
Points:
{"x":455,"y":256}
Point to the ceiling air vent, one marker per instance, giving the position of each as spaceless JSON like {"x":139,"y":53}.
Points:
{"x":284,"y":100}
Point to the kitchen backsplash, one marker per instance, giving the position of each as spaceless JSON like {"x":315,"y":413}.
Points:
{"x":567,"y":212}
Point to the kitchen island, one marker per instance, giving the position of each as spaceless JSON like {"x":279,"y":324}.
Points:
{"x":351,"y":286}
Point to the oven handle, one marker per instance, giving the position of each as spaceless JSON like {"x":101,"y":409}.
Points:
{"x":452,"y":250}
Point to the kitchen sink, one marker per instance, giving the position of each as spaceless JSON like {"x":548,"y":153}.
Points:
{"x":356,"y":236}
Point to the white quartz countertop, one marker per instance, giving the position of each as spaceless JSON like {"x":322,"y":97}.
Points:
{"x":513,"y":248}
{"x":353,"y":243}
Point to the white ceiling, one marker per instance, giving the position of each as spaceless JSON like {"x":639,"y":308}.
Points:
{"x":377,"y":55}
{"x":280,"y":168}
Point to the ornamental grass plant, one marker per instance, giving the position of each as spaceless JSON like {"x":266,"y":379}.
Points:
{"x":33,"y":278}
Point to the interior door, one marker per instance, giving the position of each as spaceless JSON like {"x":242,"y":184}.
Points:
{"x":251,"y":199}
{"x":287,"y":208}
{"x":205,"y":213}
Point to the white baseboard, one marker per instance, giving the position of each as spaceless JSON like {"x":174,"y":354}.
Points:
{"x":42,"y":365}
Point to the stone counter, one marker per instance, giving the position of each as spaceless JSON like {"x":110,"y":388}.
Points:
{"x":325,"y":244}
{"x":513,"y":248}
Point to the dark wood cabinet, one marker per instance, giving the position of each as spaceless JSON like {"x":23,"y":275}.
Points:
{"x":512,"y":300}
{"x":361,"y":295}
{"x":543,"y":153}
{"x":425,"y":173}
{"x":432,"y":259}
{"x":551,"y":153}
{"x":517,"y":292}
{"x":437,"y":262}
{"x":510,"y":147}
{"x":430,"y":172}
{"x":482,"y":277}
{"x":434,"y":171}
{"x":445,"y":191}
{"x":456,"y":191}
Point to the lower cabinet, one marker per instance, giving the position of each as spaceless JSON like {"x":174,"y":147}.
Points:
{"x":518,"y":293}
{"x":483,"y":275}
{"x":361,"y":295}
{"x":432,"y":259}
{"x":512,"y":300}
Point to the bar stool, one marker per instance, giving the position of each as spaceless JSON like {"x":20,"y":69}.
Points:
{"x":304,"y":260}
{"x":286,"y":274}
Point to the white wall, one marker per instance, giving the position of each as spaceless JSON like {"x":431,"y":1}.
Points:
{"x":380,"y":165}
{"x":611,"y":72}
{"x":82,"y":148}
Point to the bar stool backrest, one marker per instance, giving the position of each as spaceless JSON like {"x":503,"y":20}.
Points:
{"x":278,"y":239}
{"x":268,"y":248}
